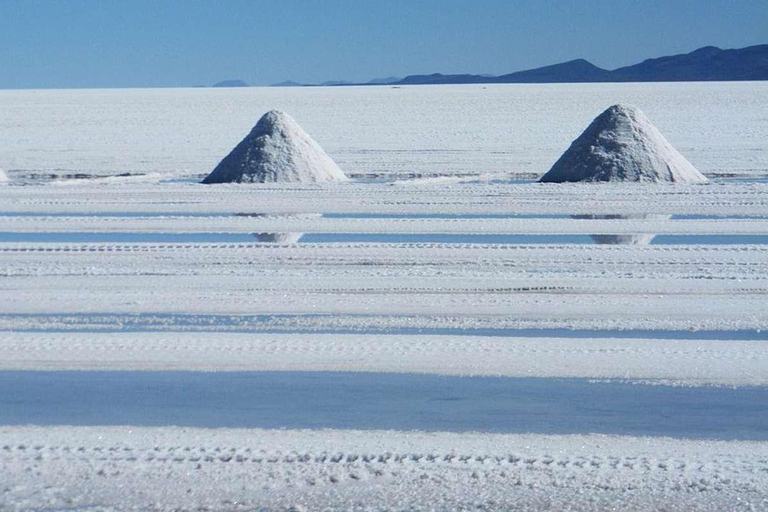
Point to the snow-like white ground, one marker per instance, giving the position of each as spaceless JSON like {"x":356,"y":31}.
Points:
{"x":453,"y":200}
{"x":242,"y":224}
{"x":144,"y":310}
{"x":496,"y":130}
{"x":128,"y":468}
{"x":664,"y":361}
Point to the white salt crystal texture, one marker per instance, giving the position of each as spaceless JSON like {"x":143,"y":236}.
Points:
{"x":622,"y":145}
{"x":277,"y":150}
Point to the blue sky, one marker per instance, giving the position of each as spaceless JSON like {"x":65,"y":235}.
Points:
{"x":158,"y":43}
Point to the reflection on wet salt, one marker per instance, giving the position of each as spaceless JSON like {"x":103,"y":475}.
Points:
{"x":628,"y":239}
{"x":278,"y":238}
{"x":287,"y":238}
{"x":356,"y":238}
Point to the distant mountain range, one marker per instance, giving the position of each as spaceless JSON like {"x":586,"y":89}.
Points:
{"x":287,"y":83}
{"x":705,"y":64}
{"x":231,"y":83}
{"x":332,"y":83}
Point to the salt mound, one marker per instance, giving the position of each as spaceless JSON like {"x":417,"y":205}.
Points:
{"x":3,"y":176}
{"x":276,"y":150}
{"x":622,"y":144}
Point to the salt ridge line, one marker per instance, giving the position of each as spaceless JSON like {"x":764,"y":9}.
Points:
{"x":488,"y":281}
{"x":338,"y":249}
{"x":665,"y":361}
{"x":360,"y":277}
{"x":202,"y":296}
{"x":385,"y":288}
{"x":326,"y":468}
{"x":405,"y":206}
{"x":457,"y":277}
{"x":394,"y":253}
{"x":725,"y":199}
{"x":455,"y":325}
{"x":368,"y":260}
{"x":382,"y":254}
{"x":75,"y":189}
{"x":458,"y":284}
{"x":497,"y":188}
{"x":239,"y":224}
{"x":379,"y":194}
{"x":445,"y":279}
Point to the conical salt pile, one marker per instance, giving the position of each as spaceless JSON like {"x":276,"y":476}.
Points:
{"x":3,"y":176}
{"x":621,"y":144}
{"x":276,"y":150}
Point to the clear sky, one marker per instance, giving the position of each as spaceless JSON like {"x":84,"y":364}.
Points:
{"x":158,"y":43}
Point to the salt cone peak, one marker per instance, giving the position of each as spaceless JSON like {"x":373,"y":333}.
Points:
{"x":276,"y":150}
{"x":621,"y":145}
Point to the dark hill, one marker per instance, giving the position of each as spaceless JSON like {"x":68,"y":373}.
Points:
{"x":578,"y":70}
{"x":231,"y":83}
{"x":438,"y":78}
{"x":705,"y":64}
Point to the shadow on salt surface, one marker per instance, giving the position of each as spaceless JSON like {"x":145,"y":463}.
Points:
{"x":298,"y":400}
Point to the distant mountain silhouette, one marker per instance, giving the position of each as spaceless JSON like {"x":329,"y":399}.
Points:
{"x":705,"y":64}
{"x":438,"y":78}
{"x":287,"y":83}
{"x":578,"y":70}
{"x":333,"y":83}
{"x":231,"y":83}
{"x":384,"y":81}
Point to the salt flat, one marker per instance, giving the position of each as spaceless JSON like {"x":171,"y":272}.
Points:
{"x":129,"y":468}
{"x":152,"y":340}
{"x":689,"y":362}
{"x":261,"y":224}
{"x":496,"y":130}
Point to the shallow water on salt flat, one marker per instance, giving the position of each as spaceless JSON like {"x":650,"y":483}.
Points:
{"x":323,"y":238}
{"x":377,"y":133}
{"x":285,"y":324}
{"x":298,"y":400}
